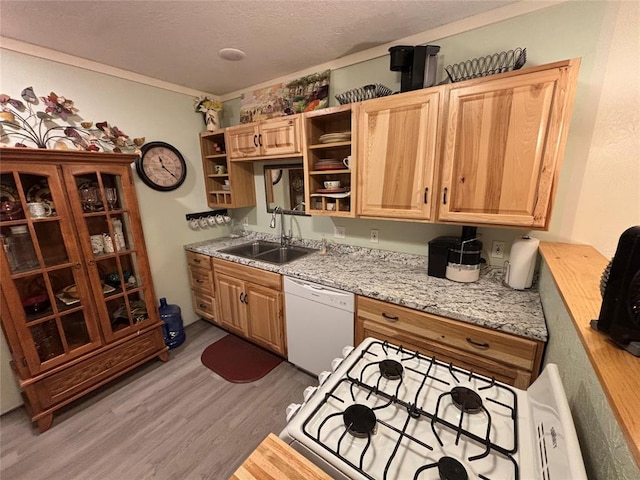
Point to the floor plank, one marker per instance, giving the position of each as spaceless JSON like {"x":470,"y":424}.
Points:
{"x":174,"y":420}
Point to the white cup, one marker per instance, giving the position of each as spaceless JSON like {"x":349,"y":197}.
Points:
{"x":220,"y":169}
{"x":226,"y":182}
{"x":39,"y":209}
{"x":108,"y":243}
{"x":346,"y":161}
{"x":97,"y":244}
{"x":219,"y":219}
{"x":211,"y":220}
{"x":194,"y":224}
{"x":227,"y":218}
{"x":202,"y":221}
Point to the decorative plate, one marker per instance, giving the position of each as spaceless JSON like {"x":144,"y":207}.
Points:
{"x":40,"y":192}
{"x":331,"y":166}
{"x":8,"y":193}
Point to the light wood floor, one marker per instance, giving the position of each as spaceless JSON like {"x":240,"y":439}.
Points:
{"x":174,"y":420}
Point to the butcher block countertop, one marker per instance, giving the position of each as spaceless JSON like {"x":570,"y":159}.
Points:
{"x":576,"y":270}
{"x":275,"y":460}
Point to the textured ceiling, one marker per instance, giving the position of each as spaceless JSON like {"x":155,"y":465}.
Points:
{"x":178,"y":41}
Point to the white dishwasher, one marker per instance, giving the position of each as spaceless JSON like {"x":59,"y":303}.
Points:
{"x":319,"y":323}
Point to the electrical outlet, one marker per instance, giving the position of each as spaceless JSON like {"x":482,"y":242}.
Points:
{"x":497,"y":249}
{"x":245,"y":221}
{"x":338,"y":232}
{"x":374,"y":236}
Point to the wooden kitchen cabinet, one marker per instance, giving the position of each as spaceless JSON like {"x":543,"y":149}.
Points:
{"x":502,"y":146}
{"x":397,"y":153}
{"x":78,"y":308}
{"x":202,"y":286}
{"x":279,"y":137}
{"x":239,"y":191}
{"x":325,"y":161}
{"x":250,"y":304}
{"x":508,"y":358}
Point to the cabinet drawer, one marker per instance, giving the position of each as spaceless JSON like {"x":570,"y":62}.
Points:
{"x":199,"y":260}
{"x":99,"y":368}
{"x":203,"y":304}
{"x":249,"y":274}
{"x":478,"y":341}
{"x":201,"y":280}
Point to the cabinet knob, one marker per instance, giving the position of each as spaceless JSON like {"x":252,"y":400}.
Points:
{"x":91,"y":263}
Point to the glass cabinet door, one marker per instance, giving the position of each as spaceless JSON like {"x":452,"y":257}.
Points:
{"x":43,"y":276}
{"x":103,"y":200}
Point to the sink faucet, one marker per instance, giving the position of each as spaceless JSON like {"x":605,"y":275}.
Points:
{"x":284,"y":239}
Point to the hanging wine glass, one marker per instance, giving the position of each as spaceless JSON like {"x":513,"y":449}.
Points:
{"x":112,"y":197}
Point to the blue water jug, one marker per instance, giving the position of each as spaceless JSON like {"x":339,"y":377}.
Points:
{"x":173,"y":327}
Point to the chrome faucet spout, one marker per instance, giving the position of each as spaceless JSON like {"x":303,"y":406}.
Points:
{"x":284,"y":239}
{"x":272,"y":224}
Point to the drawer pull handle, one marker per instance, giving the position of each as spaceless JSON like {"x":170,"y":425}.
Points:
{"x":393,"y":318}
{"x":426,"y":193}
{"x":197,"y":260}
{"x":199,"y":281}
{"x":444,"y":196}
{"x":255,"y":141}
{"x":202,"y":305}
{"x":476,"y":344}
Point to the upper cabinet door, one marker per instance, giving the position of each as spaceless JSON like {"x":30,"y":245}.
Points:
{"x":243,"y":141}
{"x":503,"y":142}
{"x":397,"y":142}
{"x":280,"y":136}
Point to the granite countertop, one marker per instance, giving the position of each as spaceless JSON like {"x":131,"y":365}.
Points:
{"x":402,"y":279}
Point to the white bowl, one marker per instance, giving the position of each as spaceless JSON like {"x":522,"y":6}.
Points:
{"x":332,"y":184}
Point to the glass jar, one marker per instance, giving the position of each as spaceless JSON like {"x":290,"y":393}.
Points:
{"x":21,"y":248}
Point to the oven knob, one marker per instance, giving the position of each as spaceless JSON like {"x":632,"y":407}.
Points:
{"x":322,"y":377}
{"x":335,"y":363}
{"x":346,"y":351}
{"x":308,"y":393}
{"x":292,"y":409}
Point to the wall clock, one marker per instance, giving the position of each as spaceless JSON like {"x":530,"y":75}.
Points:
{"x":161,"y":166}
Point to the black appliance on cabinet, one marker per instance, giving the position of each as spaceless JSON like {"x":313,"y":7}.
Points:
{"x":620,"y":312}
{"x":417,"y":64}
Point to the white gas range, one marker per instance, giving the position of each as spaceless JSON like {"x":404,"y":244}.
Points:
{"x":387,"y":413}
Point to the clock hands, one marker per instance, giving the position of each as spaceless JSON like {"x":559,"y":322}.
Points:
{"x":162,"y":165}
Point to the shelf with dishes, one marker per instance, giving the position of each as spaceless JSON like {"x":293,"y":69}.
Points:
{"x":220,"y":174}
{"x":328,"y":162}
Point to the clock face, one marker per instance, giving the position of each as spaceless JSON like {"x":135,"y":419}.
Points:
{"x":161,"y":166}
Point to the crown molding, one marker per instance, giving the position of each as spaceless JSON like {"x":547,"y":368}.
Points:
{"x":422,"y":38}
{"x":59,"y":57}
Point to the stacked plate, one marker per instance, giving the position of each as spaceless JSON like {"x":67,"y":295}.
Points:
{"x":329,"y":164}
{"x":335,"y":137}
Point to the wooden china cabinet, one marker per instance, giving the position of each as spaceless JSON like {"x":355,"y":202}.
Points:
{"x":77,"y":312}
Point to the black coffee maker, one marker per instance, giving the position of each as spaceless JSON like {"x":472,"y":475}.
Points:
{"x":417,"y":64}
{"x":620,"y":312}
{"x":463,"y":252}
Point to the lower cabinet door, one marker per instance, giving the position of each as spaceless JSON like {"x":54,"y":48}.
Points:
{"x":231,"y":306}
{"x":265,"y":319}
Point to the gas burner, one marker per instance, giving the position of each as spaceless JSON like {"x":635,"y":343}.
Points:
{"x":466,"y":400}
{"x":451,"y":469}
{"x":390,"y":369}
{"x":359,"y":420}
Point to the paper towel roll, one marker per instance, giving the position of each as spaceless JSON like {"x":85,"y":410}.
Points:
{"x":522,"y":262}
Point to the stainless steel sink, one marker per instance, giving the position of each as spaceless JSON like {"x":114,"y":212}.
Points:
{"x":270,"y":252}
